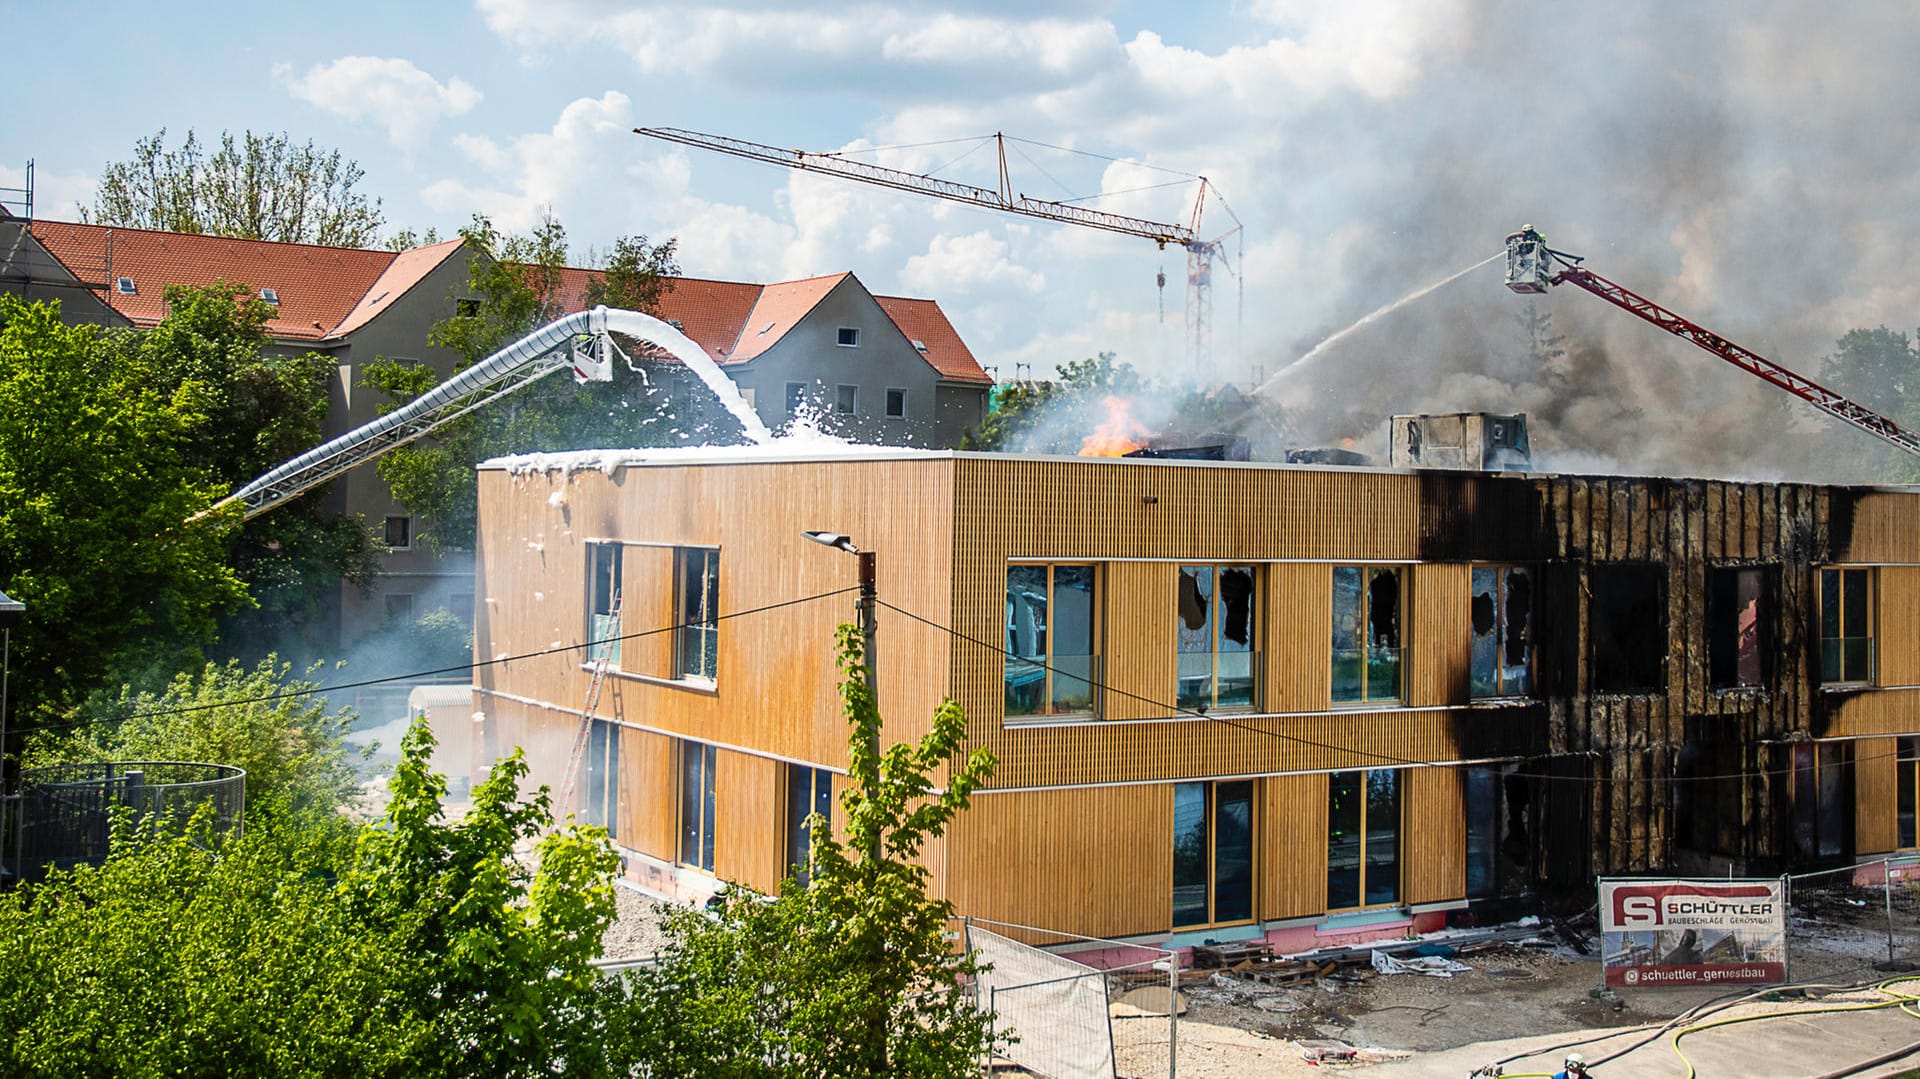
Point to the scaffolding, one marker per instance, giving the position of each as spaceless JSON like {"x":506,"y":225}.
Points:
{"x":25,"y":265}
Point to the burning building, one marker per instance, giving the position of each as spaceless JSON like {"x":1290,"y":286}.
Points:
{"x":1228,"y":700}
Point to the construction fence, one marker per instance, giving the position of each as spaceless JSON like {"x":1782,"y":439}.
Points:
{"x":1054,"y":1012}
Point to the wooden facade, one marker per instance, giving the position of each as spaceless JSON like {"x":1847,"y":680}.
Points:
{"x":1076,"y":829}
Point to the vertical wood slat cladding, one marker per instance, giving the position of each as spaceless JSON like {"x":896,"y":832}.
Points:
{"x":1434,"y":835}
{"x":1873,"y":712}
{"x":749,"y":820}
{"x":649,"y":793}
{"x":1875,"y":794}
{"x":1298,"y":617}
{"x":1293,"y":861}
{"x":1438,"y":640}
{"x":647,"y":603}
{"x":776,"y":686}
{"x":1884,"y":527}
{"x":1897,"y":630}
{"x":1098,"y":859}
{"x":1138,"y":631}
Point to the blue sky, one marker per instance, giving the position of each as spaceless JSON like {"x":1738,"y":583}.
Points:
{"x":1747,"y":162}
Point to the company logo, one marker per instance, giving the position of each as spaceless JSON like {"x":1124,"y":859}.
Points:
{"x":1649,"y":906}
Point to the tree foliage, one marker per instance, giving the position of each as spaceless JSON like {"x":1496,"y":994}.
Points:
{"x":418,"y":947}
{"x":1880,"y":368}
{"x":97,"y":480}
{"x":260,"y":718}
{"x":850,"y":974}
{"x":517,"y":283}
{"x":259,"y":187}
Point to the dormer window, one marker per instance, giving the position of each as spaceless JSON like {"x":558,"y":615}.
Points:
{"x":270,"y":296}
{"x":764,"y":329}
{"x":676,"y":324}
{"x":849,"y":337}
{"x":919,"y":345}
{"x":125,"y":286}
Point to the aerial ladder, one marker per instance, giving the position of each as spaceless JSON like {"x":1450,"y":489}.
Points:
{"x":1532,"y":268}
{"x":580,"y":342}
{"x":1201,"y":253}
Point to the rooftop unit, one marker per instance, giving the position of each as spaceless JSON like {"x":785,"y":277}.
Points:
{"x":1473,"y":441}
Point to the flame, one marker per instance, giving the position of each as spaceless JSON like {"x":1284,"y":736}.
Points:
{"x":1119,"y":436}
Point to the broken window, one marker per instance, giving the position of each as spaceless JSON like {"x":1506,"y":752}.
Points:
{"x":1051,"y":647}
{"x":1363,"y":839}
{"x":603,"y":619}
{"x":809,"y":791}
{"x":1212,"y":853}
{"x":1628,"y":627}
{"x":1822,"y":799}
{"x":1908,"y":763}
{"x":696,"y":652}
{"x":602,"y":804}
{"x":1498,"y":803}
{"x":1737,"y":633}
{"x":1846,"y":625}
{"x":1215,"y":660}
{"x":1502,"y":619}
{"x":696,"y":804}
{"x":1366,"y":633}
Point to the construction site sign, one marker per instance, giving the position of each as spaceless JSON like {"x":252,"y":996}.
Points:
{"x":1693,"y":932}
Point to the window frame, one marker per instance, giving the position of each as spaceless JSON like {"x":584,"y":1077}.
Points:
{"x":398,"y":605}
{"x":847,"y":336}
{"x":1210,"y":841}
{"x":598,"y":630}
{"x":406,"y":529}
{"x":796,"y":397}
{"x":846,"y":399}
{"x":1809,"y":834}
{"x":1216,"y":619}
{"x":1723,"y":628}
{"x":1906,"y":802}
{"x":902,"y":394}
{"x":602,"y":778}
{"x":1502,"y":583}
{"x":695,"y":846}
{"x":1049,"y":658}
{"x":1870,"y":588}
{"x":818,"y":788}
{"x":1399,"y":840}
{"x":1660,"y":574}
{"x":1369,"y":572}
{"x":701,"y":622}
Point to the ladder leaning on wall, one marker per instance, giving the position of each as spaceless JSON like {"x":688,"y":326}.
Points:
{"x":609,"y":639}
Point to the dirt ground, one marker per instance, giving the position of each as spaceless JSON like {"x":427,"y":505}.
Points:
{"x":1236,"y":1028}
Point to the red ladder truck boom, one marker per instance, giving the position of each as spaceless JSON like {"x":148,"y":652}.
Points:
{"x":1532,"y":267}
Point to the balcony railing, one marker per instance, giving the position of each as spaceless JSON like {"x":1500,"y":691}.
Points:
{"x":63,"y":815}
{"x":1209,"y":679}
{"x":1067,"y":689}
{"x":1366,"y":674}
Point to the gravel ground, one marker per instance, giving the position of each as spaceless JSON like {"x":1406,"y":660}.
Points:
{"x":635,"y":931}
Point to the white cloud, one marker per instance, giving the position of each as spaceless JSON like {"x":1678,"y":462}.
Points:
{"x":961,"y":264}
{"x":388,"y":90}
{"x":56,"y":195}
{"x":542,"y":169}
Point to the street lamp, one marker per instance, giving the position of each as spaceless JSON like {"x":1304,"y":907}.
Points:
{"x":864,"y":607}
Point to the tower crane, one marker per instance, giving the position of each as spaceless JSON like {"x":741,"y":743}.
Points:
{"x":1533,"y":267}
{"x":1201,"y":253}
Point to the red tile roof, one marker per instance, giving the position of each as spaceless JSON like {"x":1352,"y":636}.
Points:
{"x":406,"y":270}
{"x":727,"y":317}
{"x":925,"y":324}
{"x":781,"y":305}
{"x":318,"y":286}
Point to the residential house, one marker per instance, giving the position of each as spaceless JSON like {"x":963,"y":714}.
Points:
{"x":1228,"y":700}
{"x":881,"y":369}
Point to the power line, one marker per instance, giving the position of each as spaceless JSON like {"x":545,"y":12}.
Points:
{"x":321,"y":691}
{"x":1176,"y":710}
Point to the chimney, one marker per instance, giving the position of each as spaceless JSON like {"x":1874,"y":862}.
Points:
{"x":1473,"y":441}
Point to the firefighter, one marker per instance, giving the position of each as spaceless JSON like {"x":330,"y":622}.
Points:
{"x":1574,"y":1068}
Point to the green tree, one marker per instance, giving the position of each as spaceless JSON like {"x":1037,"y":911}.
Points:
{"x":849,"y":975}
{"x":412,"y":946}
{"x":260,"y":408}
{"x":1053,"y":417}
{"x":407,"y":239}
{"x":260,"y":187}
{"x":501,"y":956}
{"x":260,"y":718}
{"x":190,"y":953}
{"x":519,"y":283}
{"x":1879,"y":368}
{"x":96,"y":484}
